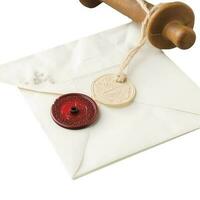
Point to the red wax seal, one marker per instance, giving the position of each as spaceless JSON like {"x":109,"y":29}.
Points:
{"x":74,"y":111}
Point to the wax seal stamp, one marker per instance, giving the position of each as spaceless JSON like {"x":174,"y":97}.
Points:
{"x":74,"y":111}
{"x":107,"y":90}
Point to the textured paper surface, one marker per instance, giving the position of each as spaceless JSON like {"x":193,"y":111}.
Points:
{"x":166,"y":105}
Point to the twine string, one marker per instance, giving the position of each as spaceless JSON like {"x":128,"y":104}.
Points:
{"x":121,"y":76}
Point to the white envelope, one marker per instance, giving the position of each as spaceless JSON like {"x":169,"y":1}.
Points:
{"x":167,"y":104}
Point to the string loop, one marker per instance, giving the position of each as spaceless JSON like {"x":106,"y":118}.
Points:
{"x":121,"y":76}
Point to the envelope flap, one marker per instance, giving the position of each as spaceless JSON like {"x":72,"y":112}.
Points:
{"x":54,"y":70}
{"x":157,"y":79}
{"x":69,"y":145}
{"x":130,"y":130}
{"x":160,"y":82}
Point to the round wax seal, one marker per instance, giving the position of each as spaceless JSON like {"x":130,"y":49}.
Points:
{"x":108,"y":91}
{"x":74,"y":111}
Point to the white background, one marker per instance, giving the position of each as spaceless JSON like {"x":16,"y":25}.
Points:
{"x":29,"y":166}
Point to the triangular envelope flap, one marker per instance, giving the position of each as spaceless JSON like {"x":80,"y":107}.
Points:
{"x":157,"y":79}
{"x":160,"y":82}
{"x":54,"y":70}
{"x":126,"y":131}
{"x":69,"y":144}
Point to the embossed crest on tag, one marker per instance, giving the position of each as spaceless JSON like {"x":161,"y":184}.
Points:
{"x":108,"y":91}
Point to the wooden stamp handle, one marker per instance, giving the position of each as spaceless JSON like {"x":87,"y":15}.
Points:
{"x":170,"y":26}
{"x":129,"y":8}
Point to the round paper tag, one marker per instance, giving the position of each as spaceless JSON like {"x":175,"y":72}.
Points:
{"x":108,"y":91}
